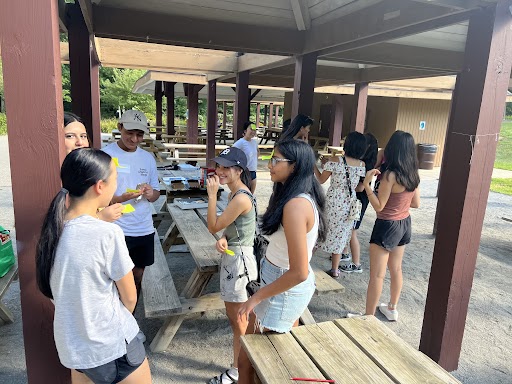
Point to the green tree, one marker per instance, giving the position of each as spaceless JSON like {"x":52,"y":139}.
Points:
{"x":1,"y":80}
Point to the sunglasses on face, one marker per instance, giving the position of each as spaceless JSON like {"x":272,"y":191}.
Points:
{"x":275,"y":160}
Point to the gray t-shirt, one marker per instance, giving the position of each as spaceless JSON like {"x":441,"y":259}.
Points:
{"x":91,"y":325}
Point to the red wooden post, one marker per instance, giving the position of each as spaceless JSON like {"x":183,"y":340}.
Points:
{"x":467,"y":169}
{"x":265,"y":115}
{"x":336,"y":121}
{"x":257,"y":115}
{"x":358,"y":120}
{"x":304,"y":84}
{"x":241,"y":104}
{"x":271,"y":115}
{"x":32,"y":77}
{"x":169,"y":94}
{"x":276,"y":122}
{"x":193,"y":112}
{"x":224,"y":114}
{"x":84,"y":75}
{"x":211,"y":121}
{"x":158,"y":101}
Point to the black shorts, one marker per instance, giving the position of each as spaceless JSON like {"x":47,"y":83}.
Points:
{"x":119,"y":369}
{"x":253,"y":175}
{"x":142,"y":249}
{"x":390,"y":234}
{"x":364,"y":204}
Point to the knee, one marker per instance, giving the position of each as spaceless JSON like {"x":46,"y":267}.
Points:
{"x":395,"y":270}
{"x":377,"y":277}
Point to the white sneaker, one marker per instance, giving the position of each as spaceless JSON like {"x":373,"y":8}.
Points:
{"x":351,"y":315}
{"x":391,"y":314}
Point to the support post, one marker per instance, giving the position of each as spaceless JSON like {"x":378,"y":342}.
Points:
{"x":84,"y":75}
{"x":241,"y":104}
{"x":211,"y":120}
{"x":193,"y":112}
{"x":169,"y":94}
{"x":265,"y":115}
{"x":276,"y":122}
{"x":304,"y":84}
{"x":271,"y":115}
{"x":32,"y":77}
{"x":258,"y":115}
{"x":224,"y":114}
{"x":481,"y":91}
{"x":336,"y":121}
{"x":158,"y":101}
{"x":357,"y":123}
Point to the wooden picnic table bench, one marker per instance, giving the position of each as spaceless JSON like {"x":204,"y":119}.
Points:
{"x":6,"y":316}
{"x":355,"y":350}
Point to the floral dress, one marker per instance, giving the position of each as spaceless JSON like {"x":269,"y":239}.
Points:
{"x":339,"y":199}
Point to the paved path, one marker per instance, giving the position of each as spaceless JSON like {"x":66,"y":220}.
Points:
{"x":201,"y":349}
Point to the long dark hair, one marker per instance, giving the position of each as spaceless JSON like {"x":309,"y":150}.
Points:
{"x":301,"y":180}
{"x":400,"y":154}
{"x":354,"y":145}
{"x":295,"y":126}
{"x":81,"y":169}
{"x":70,"y":117}
{"x":372,"y":148}
{"x":245,"y":177}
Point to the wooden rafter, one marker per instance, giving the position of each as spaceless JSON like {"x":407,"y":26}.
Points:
{"x":301,"y":14}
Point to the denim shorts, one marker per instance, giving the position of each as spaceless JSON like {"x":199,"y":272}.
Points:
{"x":278,"y":313}
{"x":119,"y":369}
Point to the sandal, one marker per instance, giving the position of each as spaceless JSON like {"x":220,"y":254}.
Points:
{"x":334,"y":273}
{"x":218,"y":379}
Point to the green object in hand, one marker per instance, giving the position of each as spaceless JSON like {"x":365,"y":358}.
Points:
{"x":229,"y":252}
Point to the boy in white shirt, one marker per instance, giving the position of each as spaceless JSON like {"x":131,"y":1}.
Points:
{"x":249,"y":144}
{"x":136,"y":170}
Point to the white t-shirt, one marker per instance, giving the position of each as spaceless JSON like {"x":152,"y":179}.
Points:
{"x":277,"y":250}
{"x":91,"y":326}
{"x":135,"y":168}
{"x":250,"y":149}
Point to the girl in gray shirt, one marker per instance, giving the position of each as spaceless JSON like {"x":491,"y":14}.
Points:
{"x":83,"y":265}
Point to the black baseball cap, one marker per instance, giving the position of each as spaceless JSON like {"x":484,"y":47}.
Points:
{"x":232,"y":156}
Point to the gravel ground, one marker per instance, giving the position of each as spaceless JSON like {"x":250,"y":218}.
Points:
{"x":201,"y":348}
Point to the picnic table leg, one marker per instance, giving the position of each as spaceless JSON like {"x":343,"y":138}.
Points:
{"x":170,"y":237}
{"x":167,"y":331}
{"x":6,"y":316}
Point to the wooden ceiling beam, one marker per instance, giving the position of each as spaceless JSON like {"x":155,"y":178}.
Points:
{"x":384,"y":21}
{"x":63,"y":16}
{"x":301,"y":14}
{"x":136,"y":25}
{"x":402,"y":56}
{"x":388,"y":74}
{"x":454,"y":4}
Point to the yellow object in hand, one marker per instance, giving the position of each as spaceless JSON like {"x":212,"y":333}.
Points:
{"x":129,"y":190}
{"x":128,"y":208}
{"x":229,"y":252}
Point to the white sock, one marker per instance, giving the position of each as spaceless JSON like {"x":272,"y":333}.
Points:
{"x":233,"y":372}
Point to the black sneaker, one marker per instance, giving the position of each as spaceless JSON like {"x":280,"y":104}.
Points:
{"x":351,"y":268}
{"x":346,"y":257}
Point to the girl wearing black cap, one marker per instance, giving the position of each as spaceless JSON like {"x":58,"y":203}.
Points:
{"x":238,"y":264}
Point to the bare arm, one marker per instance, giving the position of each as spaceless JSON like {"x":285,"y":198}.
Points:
{"x":127,"y":291}
{"x":415,"y":202}
{"x":379,"y":201}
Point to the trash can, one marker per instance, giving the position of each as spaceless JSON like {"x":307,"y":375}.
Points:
{"x":426,"y":155}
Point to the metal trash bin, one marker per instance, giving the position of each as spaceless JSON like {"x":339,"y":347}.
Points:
{"x":426,"y":155}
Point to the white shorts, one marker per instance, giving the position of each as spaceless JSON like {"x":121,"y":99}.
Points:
{"x":232,"y":275}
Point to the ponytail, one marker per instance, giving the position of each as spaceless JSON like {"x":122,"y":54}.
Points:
{"x":245,"y":177}
{"x":47,"y":246}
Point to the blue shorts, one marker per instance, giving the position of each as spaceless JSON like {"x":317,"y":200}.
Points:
{"x":278,"y":313}
{"x":253,"y":175}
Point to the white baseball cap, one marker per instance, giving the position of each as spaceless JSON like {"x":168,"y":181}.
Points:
{"x":133,"y":119}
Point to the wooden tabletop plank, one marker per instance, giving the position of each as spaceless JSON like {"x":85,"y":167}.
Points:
{"x":337,"y":356}
{"x":326,"y":284}
{"x":403,"y":363}
{"x":278,"y":357}
{"x":200,"y":242}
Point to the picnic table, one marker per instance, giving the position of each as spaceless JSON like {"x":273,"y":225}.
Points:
{"x":192,"y":173}
{"x":6,"y":316}
{"x":189,"y":152}
{"x":270,"y":134}
{"x":191,"y":225}
{"x":355,"y":350}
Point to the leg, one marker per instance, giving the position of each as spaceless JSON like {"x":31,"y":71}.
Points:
{"x":355,"y":248}
{"x":395,"y":271}
{"x":137,"y":276}
{"x":378,"y":260}
{"x":253,"y":185}
{"x":79,"y":378}
{"x":335,"y":258}
{"x":238,"y":327}
{"x":245,"y":368}
{"x":141,"y":375}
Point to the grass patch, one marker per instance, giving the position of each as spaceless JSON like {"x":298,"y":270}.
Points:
{"x":502,"y":186}
{"x":3,"y":124}
{"x":504,"y":151}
